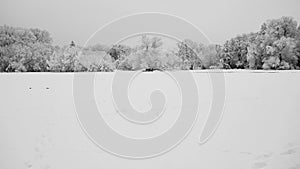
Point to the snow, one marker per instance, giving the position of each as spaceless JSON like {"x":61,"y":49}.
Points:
{"x":39,"y":128}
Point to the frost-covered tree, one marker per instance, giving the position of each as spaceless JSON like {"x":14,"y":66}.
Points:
{"x":282,"y":27}
{"x":209,"y":57}
{"x":24,"y":49}
{"x":188,"y":51}
{"x":66,"y":59}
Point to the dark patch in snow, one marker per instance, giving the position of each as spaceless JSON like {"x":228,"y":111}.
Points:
{"x":289,"y":151}
{"x":259,"y":165}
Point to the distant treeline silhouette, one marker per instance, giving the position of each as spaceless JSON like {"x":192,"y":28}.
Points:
{"x":275,"y":46}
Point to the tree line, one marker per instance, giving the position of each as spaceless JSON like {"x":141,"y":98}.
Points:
{"x":275,"y":46}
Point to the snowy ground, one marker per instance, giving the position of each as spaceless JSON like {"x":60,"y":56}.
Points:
{"x":260,"y":128}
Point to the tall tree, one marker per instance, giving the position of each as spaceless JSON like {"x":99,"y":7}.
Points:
{"x":188,"y":51}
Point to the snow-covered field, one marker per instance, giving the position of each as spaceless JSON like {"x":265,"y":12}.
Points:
{"x":260,"y":127}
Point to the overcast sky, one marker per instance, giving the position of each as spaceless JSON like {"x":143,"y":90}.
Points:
{"x":76,"y":20}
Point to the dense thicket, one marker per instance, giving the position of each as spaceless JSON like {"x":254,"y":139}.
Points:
{"x":275,"y":46}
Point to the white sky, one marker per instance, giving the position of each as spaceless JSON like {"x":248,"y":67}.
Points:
{"x":68,"y":20}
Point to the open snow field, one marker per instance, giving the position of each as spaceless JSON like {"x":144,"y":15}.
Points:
{"x":260,"y":128}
